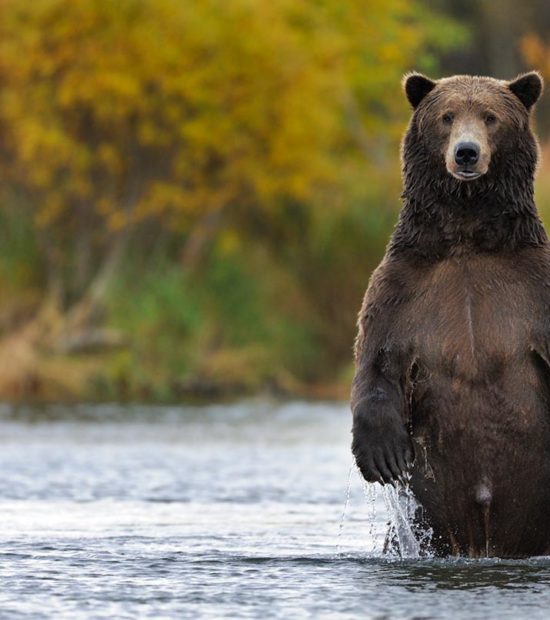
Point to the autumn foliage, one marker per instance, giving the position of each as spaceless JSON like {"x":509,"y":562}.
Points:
{"x":206,"y":132}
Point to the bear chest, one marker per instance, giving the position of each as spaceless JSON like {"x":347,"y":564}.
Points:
{"x":473,"y":318}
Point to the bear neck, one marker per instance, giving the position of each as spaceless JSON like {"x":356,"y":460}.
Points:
{"x":442,"y":216}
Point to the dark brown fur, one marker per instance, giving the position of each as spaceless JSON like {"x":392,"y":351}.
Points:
{"x":453,"y":350}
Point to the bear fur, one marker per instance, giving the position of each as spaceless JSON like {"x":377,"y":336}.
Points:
{"x":452,"y":382}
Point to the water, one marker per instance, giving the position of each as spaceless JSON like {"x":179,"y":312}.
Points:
{"x":218,"y":512}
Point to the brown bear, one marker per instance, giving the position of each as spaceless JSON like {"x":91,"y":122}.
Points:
{"x":452,"y":383}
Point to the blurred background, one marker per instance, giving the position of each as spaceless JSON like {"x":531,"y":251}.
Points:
{"x":193,"y":194}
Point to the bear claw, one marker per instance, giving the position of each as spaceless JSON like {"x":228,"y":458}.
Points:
{"x":385,"y":464}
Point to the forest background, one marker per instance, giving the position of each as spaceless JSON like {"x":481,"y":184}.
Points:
{"x":194,"y":194}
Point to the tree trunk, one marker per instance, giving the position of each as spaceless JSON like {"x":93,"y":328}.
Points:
{"x":205,"y":230}
{"x":84,"y":309}
{"x":54,"y":329}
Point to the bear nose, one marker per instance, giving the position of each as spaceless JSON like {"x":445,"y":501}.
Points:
{"x":466,"y":153}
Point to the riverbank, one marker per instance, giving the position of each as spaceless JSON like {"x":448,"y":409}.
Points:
{"x":29,"y":373}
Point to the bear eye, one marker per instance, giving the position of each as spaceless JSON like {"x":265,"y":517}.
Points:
{"x":447,"y":118}
{"x":490,"y":119}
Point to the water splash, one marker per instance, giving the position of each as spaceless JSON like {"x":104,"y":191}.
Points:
{"x":370,"y":492}
{"x":407,"y":536}
{"x":397,"y":530}
{"x":345,"y":510}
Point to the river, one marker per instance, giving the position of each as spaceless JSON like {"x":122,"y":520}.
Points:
{"x":248,"y":510}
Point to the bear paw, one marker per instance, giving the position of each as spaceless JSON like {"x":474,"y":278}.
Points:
{"x":383,"y":453}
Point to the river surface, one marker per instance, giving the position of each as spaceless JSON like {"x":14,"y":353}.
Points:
{"x":219,"y":512}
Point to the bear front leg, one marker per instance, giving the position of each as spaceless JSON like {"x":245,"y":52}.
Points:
{"x":381,"y":444}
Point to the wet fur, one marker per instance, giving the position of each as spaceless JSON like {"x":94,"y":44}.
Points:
{"x":452,"y":354}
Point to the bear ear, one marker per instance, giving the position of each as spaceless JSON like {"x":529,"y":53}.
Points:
{"x":417,"y":86}
{"x":527,"y":88}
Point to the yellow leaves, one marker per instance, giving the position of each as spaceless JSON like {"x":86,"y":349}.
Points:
{"x":536,"y":53}
{"x":161,"y":196}
{"x":52,"y":208}
{"x":163,"y":108}
{"x":228,"y":242}
{"x":117,"y":221}
{"x":109,"y":157}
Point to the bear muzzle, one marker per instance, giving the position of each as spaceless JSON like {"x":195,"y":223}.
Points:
{"x":468,"y":154}
{"x":466,"y":161}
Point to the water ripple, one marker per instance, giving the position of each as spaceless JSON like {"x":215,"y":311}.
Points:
{"x":216,"y":512}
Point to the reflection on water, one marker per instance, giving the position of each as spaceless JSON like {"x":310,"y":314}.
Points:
{"x":474,"y":574}
{"x":222,"y":511}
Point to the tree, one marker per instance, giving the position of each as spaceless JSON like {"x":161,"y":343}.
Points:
{"x":119,"y":117}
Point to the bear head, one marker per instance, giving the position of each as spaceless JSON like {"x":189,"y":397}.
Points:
{"x":467,"y":127}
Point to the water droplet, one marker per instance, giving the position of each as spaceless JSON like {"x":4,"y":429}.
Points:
{"x":407,"y":536}
{"x":344,"y":511}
